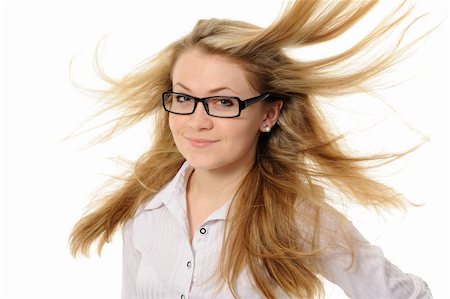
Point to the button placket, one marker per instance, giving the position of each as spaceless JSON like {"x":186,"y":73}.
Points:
{"x":187,"y":274}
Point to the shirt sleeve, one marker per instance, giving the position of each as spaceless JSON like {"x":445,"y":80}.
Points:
{"x":130,"y":263}
{"x":365,"y":273}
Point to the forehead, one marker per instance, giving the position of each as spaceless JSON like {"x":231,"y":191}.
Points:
{"x":202,"y":72}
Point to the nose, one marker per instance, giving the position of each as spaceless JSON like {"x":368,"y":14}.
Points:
{"x":200,"y":119}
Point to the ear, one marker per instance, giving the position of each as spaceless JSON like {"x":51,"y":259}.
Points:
{"x":272,"y":113}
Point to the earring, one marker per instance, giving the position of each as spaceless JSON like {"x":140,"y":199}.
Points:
{"x":267,"y":128}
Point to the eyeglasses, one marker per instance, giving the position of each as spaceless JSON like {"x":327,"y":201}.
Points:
{"x":216,"y":106}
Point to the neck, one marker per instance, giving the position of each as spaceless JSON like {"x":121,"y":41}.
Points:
{"x":216,"y":185}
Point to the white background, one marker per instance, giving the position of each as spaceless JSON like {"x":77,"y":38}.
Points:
{"x":46,"y":182}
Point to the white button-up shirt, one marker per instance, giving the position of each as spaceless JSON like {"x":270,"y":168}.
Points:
{"x":159,"y":261}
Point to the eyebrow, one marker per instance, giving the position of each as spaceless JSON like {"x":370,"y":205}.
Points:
{"x":212,"y":90}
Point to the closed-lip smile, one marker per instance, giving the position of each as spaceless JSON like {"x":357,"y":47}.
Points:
{"x":200,"y":142}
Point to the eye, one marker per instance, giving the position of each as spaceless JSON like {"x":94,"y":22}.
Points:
{"x":224,"y":102}
{"x":182,"y":98}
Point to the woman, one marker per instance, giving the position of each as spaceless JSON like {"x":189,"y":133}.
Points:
{"x":229,"y":200}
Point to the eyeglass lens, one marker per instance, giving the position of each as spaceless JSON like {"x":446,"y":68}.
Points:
{"x":216,"y":106}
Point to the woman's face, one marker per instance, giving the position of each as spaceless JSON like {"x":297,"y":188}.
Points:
{"x":209,"y":142}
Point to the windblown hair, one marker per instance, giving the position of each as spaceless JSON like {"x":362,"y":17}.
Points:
{"x":301,"y":151}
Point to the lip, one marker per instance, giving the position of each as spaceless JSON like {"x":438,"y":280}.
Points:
{"x":199,"y":142}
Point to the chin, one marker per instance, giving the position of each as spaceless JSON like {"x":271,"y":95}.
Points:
{"x":206,"y":164}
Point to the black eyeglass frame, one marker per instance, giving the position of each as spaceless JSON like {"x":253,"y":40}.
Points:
{"x":242,"y":103}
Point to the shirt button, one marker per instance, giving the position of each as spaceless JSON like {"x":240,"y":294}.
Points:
{"x":182,"y":296}
{"x":189,"y":264}
{"x":203,"y":230}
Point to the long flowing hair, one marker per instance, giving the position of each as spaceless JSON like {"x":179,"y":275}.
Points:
{"x":300,"y":153}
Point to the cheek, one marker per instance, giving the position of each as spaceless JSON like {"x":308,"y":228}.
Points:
{"x":250,"y":125}
{"x":241,"y":134}
{"x":174,"y":124}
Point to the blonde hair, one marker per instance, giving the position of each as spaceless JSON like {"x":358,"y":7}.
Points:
{"x":300,"y":152}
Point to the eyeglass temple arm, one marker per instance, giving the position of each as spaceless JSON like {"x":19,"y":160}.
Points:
{"x":254,"y":100}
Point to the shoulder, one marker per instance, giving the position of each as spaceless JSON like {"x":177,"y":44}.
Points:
{"x":347,"y":259}
{"x":321,"y":223}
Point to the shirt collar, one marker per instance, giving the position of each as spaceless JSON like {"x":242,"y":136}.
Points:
{"x":176,"y":188}
{"x":172,"y":190}
{"x":221,"y":213}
